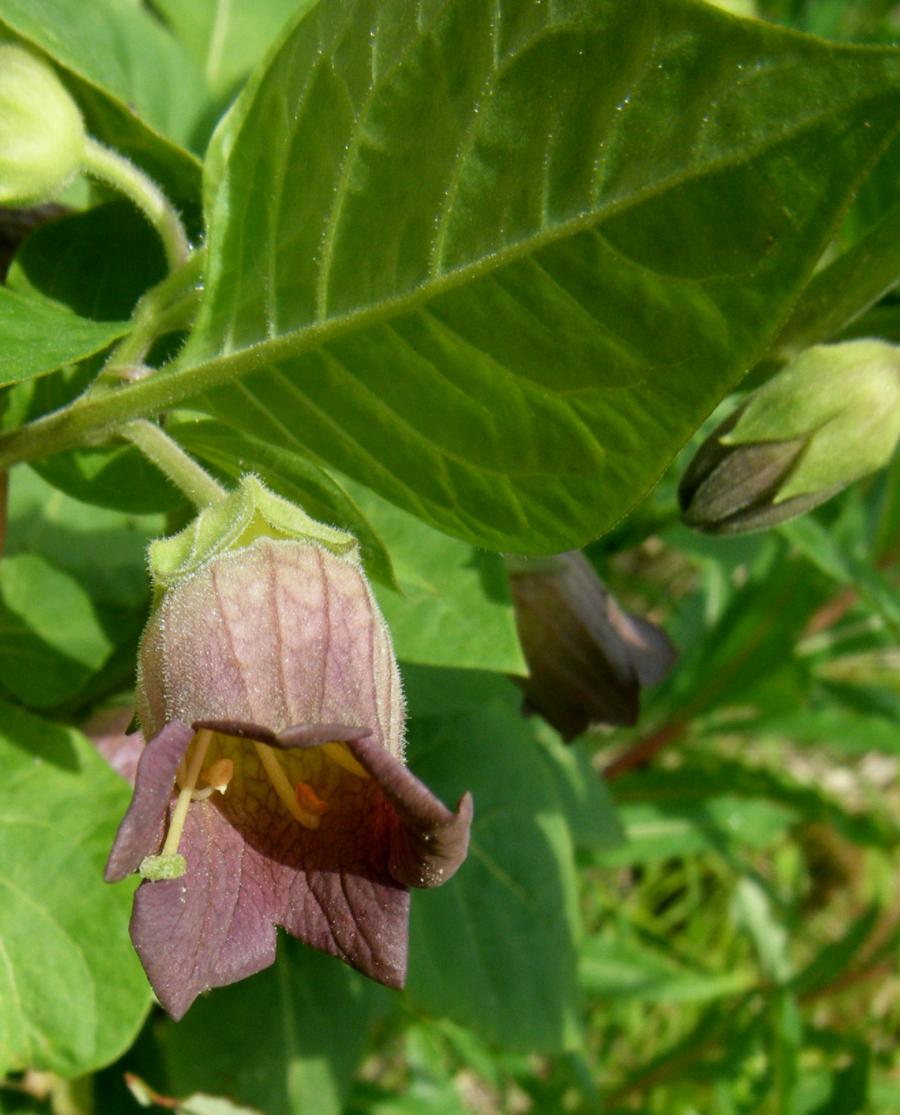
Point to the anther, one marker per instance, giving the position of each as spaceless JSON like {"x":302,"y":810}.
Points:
{"x":339,"y":753}
{"x":218,"y":774}
{"x":311,"y":805}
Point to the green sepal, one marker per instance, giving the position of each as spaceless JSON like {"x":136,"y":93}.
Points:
{"x":251,"y":511}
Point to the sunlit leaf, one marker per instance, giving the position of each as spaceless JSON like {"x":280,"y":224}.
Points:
{"x":430,"y":217}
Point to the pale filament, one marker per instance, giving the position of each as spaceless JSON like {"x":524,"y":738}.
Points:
{"x":179,"y":813}
{"x":283,"y":788}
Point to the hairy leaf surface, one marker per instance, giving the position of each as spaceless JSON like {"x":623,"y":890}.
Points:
{"x":588,"y":220}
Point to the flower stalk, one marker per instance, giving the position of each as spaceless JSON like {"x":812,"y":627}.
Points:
{"x":117,"y":171}
{"x":184,"y":472}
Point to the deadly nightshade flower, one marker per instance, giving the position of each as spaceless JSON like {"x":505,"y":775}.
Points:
{"x":272,"y":791}
{"x":587,"y":658}
{"x":828,"y":418}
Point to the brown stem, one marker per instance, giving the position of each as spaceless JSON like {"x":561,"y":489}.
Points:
{"x":643,"y":750}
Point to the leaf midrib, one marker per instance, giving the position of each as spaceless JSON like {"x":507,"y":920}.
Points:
{"x":314,"y":332}
{"x":188,"y":376}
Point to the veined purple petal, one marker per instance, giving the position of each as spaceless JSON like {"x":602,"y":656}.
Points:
{"x":279,"y":634}
{"x":428,"y":842}
{"x":341,"y":887}
{"x":212,"y":926}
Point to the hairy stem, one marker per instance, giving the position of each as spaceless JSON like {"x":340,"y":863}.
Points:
{"x":118,"y":172}
{"x":169,"y":305}
{"x":171,"y":459}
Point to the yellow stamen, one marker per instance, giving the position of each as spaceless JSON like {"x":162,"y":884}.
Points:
{"x":179,"y":813}
{"x":339,"y":753}
{"x":282,"y":786}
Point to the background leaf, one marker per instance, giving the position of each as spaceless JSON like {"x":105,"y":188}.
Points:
{"x":228,"y":37}
{"x":38,"y":336}
{"x":453,"y":607}
{"x":469,"y":212}
{"x":511,"y":910}
{"x":96,"y":263}
{"x":137,"y":86}
{"x":103,"y":550}
{"x":300,"y":1027}
{"x":50,"y":639}
{"x":72,"y":993}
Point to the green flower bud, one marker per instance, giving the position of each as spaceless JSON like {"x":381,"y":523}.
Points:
{"x":830,"y":417}
{"x":42,"y":134}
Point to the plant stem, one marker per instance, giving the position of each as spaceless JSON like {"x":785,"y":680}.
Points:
{"x":165,"y":307}
{"x":171,"y":459}
{"x":118,"y":172}
{"x":643,"y":750}
{"x":98,"y":415}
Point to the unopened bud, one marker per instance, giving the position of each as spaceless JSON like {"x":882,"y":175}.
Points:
{"x":587,"y":658}
{"x":830,"y":417}
{"x":42,"y":133}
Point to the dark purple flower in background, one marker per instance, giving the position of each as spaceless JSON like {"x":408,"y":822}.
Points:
{"x":272,"y":791}
{"x":588,"y":659}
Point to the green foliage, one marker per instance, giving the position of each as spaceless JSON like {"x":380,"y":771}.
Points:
{"x":40,"y":337}
{"x":560,"y":223}
{"x":469,"y":281}
{"x":73,"y":995}
{"x":135,"y":84}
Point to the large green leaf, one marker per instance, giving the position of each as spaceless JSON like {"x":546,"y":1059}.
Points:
{"x":495,"y":949}
{"x":845,"y":288}
{"x":499,"y":261}
{"x":38,"y":336}
{"x":288,"y":1040}
{"x":72,"y":993}
{"x":138,"y":87}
